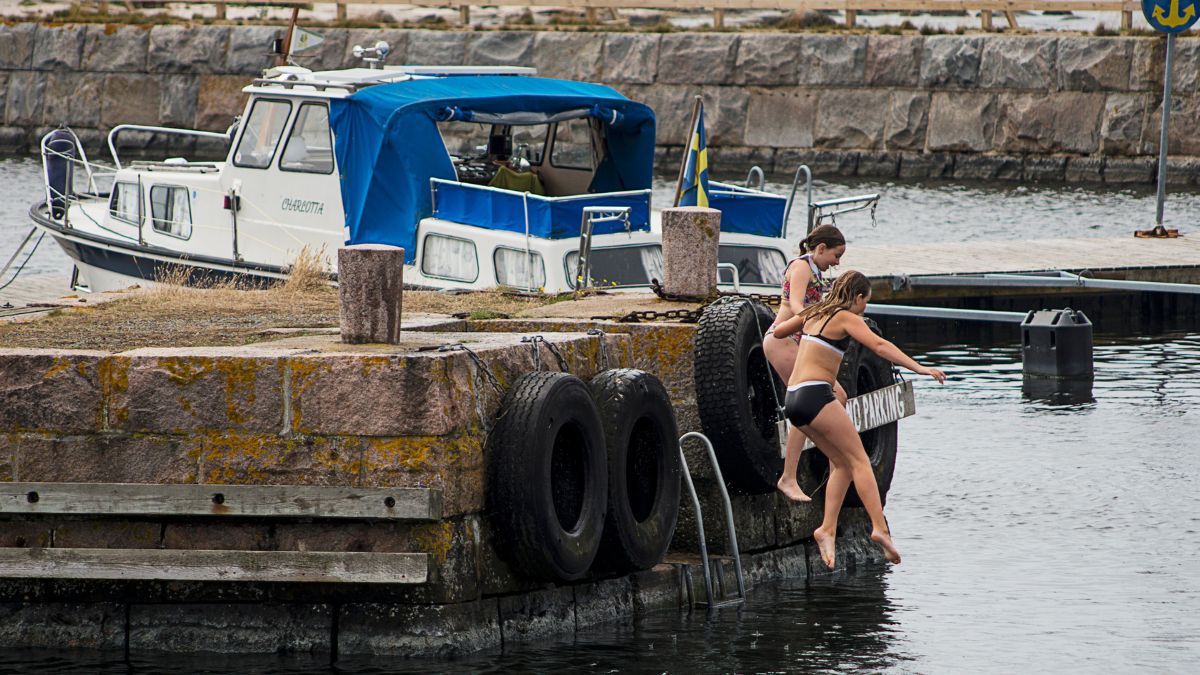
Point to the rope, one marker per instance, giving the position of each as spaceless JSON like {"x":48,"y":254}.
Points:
{"x":24,"y":262}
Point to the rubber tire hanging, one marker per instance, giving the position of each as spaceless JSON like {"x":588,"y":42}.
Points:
{"x":733,"y":393}
{"x":547,"y":477}
{"x":641,"y":434}
{"x":862,"y":371}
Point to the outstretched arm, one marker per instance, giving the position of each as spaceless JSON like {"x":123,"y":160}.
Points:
{"x":859,"y":330}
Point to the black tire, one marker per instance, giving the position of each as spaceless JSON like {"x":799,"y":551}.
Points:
{"x":547,"y":477}
{"x":643,"y":469}
{"x":733,"y":393}
{"x":862,"y":372}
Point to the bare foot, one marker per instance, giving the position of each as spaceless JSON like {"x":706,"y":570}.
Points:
{"x":827,"y":544}
{"x":890,"y":551}
{"x":791,"y":490}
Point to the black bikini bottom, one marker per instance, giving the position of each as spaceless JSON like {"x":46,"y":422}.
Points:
{"x":805,"y":401}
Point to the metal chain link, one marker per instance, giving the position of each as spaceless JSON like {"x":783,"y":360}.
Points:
{"x":596,"y":332}
{"x":533,"y":341}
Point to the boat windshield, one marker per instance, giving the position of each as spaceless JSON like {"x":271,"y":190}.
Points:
{"x":618,"y":266}
{"x":557,"y":159}
{"x":755,"y":264}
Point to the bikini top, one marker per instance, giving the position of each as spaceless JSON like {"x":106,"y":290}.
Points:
{"x":838,"y":346}
{"x":816,"y":285}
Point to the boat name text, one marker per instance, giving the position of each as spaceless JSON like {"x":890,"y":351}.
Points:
{"x":303,"y":206}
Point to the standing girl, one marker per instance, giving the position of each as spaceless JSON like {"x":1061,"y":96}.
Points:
{"x":828,"y":327}
{"x":803,"y":285}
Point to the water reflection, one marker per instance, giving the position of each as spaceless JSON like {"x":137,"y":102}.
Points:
{"x":1061,"y":393}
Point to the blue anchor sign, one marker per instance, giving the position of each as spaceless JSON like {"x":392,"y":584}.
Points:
{"x":1170,"y":16}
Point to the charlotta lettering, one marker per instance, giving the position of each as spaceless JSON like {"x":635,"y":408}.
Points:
{"x":303,"y":206}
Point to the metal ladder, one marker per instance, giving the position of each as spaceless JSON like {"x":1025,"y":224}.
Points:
{"x":710,"y":602}
{"x":591,"y":216}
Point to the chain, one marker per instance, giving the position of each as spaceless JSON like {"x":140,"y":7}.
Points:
{"x":533,"y":341}
{"x":460,"y":347}
{"x":596,"y":332}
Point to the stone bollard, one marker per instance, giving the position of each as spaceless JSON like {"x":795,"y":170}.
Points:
{"x":370,"y":288}
{"x":690,"y":236}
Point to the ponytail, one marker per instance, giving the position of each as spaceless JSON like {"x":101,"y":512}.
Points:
{"x":822,"y":234}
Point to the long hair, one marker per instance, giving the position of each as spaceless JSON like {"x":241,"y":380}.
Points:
{"x":848,"y":286}
{"x":822,"y":234}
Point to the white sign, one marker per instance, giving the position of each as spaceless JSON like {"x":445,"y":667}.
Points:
{"x":878,"y":408}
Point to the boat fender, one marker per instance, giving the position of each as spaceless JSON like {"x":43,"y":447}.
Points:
{"x":733,"y":393}
{"x":547,"y":477}
{"x":59,"y":160}
{"x":641,"y":434}
{"x":862,"y":372}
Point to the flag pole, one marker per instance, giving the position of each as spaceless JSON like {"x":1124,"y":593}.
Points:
{"x":287,"y":39}
{"x":686,"y":149}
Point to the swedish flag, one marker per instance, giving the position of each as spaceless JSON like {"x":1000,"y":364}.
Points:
{"x":694,"y":179}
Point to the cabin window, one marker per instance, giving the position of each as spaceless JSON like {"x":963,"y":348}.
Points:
{"x":620,"y":265}
{"x":449,"y":258}
{"x":309,"y":148}
{"x":170,"y":211}
{"x":515,"y":267}
{"x":755,"y":264}
{"x":261,"y":133}
{"x":573,"y":145}
{"x":123,"y":203}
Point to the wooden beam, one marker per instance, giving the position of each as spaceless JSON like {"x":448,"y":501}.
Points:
{"x":221,"y":11}
{"x":985,"y":19}
{"x":117,"y":564}
{"x":341,"y":11}
{"x":1126,"y":20}
{"x":1011,"y":17}
{"x":236,"y":501}
{"x":464,"y":15}
{"x":718,"y":18}
{"x":851,"y":18}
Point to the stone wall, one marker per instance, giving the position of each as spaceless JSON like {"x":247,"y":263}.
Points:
{"x":1036,"y":107}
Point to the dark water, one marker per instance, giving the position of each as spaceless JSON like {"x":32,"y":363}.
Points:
{"x":1051,"y":534}
{"x":1041,"y":533}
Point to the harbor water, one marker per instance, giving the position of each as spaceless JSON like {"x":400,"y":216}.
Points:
{"x":1041,"y":532}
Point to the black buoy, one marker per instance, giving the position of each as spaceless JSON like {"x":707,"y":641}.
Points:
{"x":1057,"y":343}
{"x":60,"y":159}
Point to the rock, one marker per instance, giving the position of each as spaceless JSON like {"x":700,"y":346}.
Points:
{"x":436,"y":47}
{"x":962,"y":121}
{"x":108,"y":534}
{"x":63,"y":625}
{"x":49,"y":389}
{"x":660,"y":587}
{"x":179,"y":96}
{"x":130,"y":99}
{"x":1130,"y":169}
{"x":249,"y":49}
{"x":500,"y":48}
{"x":767,"y":59}
{"x":951,"y":61}
{"x":879,"y":165}
{"x":16,"y":45}
{"x":690,"y":236}
{"x":741,"y":158}
{"x":58,"y":47}
{"x":71,"y":99}
{"x":1183,"y":171}
{"x":231,"y":628}
{"x":1147,"y":61}
{"x":926,"y":165}
{"x":1182,"y":138}
{"x":851,"y":119}
{"x":371,"y":291}
{"x":682,"y":59}
{"x":894,"y":60}
{"x":114,"y":48}
{"x":1185,"y":78}
{"x":603,"y":601}
{"x":753,"y":519}
{"x":537,"y":614}
{"x":987,"y":167}
{"x":630,"y":57}
{"x":397,"y":41}
{"x":584,"y":64}
{"x":329,"y":54}
{"x":908,"y":119}
{"x":1019,"y":63}
{"x":831,"y":59}
{"x":219,"y":100}
{"x":1092,"y":64}
{"x":1038,"y":169}
{"x":781,"y":118}
{"x":378,"y":629}
{"x":1122,"y":129}
{"x":104,"y":459}
{"x":1084,"y":169}
{"x":724,"y":111}
{"x":821,"y":162}
{"x":16,"y":139}
{"x":1059,"y":122}
{"x":23,"y":103}
{"x":187,"y":49}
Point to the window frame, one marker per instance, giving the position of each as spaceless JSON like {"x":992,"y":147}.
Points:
{"x":591,"y":146}
{"x":140,"y":201}
{"x":425,"y":248}
{"x":570,"y":273}
{"x":295,"y":119}
{"x":187,"y":191}
{"x":246,"y":126}
{"x":496,"y":270}
{"x":757,"y":247}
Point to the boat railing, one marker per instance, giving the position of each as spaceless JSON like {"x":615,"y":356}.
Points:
{"x":172,"y":131}
{"x":62,"y":146}
{"x":842,"y":205}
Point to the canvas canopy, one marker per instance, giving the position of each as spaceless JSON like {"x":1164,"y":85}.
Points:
{"x":388,"y":145}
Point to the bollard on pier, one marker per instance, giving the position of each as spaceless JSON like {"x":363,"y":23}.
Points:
{"x":1057,"y":343}
{"x":690,"y":239}
{"x":370,"y":290}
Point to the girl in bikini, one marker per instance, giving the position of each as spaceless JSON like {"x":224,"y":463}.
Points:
{"x":828,"y":327}
{"x":821,"y":249}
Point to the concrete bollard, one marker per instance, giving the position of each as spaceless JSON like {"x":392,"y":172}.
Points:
{"x":370,"y":288}
{"x":690,"y":236}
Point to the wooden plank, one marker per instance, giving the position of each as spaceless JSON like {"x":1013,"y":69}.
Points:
{"x":237,"y":501}
{"x":985,"y":19}
{"x":878,"y":408}
{"x":177,"y":565}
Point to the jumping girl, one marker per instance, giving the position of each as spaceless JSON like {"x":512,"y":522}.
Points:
{"x":821,"y":249}
{"x":828,"y":327}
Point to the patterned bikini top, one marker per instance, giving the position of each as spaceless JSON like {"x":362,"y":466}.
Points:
{"x":816,"y":284}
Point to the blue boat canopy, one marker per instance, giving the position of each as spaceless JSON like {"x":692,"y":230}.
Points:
{"x":388,"y":145}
